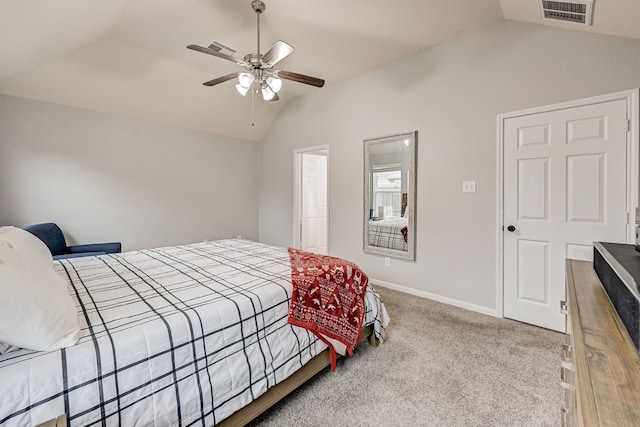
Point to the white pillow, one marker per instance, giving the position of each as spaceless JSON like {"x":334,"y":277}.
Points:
{"x":27,"y":243}
{"x":36,"y":310}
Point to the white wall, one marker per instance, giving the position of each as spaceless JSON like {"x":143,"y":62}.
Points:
{"x":108,"y":178}
{"x":451,"y":94}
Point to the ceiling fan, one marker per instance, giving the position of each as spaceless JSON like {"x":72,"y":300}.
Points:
{"x":259,"y":73}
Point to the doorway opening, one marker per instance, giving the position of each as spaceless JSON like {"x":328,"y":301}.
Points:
{"x":311,"y":201}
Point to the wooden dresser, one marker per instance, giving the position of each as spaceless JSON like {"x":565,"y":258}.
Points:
{"x":600,"y":365}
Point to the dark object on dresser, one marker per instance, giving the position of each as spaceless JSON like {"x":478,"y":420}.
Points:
{"x":618,"y":268}
{"x":52,"y":236}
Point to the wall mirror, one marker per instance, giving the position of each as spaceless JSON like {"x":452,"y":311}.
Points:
{"x":390,"y":195}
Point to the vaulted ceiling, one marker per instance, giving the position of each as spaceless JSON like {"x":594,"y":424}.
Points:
{"x":128,"y":57}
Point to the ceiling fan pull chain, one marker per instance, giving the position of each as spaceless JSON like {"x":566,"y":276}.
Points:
{"x":253,"y":97}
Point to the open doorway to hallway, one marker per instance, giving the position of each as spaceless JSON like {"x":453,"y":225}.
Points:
{"x":311,"y":222}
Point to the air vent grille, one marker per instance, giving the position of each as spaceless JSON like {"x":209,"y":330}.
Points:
{"x":575,"y":11}
{"x":219,"y":47}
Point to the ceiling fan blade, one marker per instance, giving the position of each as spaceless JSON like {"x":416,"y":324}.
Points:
{"x":277,"y":53}
{"x":301,"y":78}
{"x":218,"y":54}
{"x":221,"y":79}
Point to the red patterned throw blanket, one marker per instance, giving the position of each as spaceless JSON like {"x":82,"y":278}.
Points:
{"x":405,"y":233}
{"x":328,"y":299}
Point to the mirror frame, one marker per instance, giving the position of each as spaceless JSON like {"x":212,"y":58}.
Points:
{"x":410,"y":254}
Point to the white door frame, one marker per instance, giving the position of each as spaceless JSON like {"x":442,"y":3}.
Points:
{"x":297,"y":177}
{"x":631,"y":97}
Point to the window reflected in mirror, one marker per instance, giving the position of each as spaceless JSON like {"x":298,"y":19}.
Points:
{"x":389,"y":220}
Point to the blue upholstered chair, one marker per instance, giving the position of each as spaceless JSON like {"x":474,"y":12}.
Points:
{"x":52,"y":236}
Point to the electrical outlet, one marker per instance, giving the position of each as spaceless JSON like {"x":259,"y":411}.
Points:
{"x":387,"y":261}
{"x":239,"y":236}
{"x":468,"y":186}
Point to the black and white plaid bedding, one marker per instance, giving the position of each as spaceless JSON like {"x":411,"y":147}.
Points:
{"x":182,"y":335}
{"x":386,"y":233}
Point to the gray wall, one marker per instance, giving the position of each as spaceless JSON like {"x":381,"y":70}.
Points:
{"x":104,"y":178}
{"x":451,"y":94}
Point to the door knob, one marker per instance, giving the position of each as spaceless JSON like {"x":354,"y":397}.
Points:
{"x":511,"y":228}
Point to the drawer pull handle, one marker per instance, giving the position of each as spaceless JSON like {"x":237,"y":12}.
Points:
{"x":565,"y":364}
{"x":565,"y":351}
{"x":564,"y":416}
{"x":564,"y":380}
{"x":566,"y":385}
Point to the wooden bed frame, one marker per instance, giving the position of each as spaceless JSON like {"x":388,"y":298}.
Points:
{"x":282,"y":389}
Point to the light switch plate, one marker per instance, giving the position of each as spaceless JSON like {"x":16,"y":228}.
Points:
{"x":468,"y":186}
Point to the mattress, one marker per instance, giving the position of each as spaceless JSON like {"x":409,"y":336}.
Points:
{"x":182,"y":335}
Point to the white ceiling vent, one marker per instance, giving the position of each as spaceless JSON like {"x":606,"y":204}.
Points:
{"x":576,"y":11}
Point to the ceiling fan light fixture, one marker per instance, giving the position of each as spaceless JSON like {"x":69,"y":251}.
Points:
{"x":274,"y":83}
{"x":267,"y":93}
{"x":245,"y":80}
{"x":242,"y":90}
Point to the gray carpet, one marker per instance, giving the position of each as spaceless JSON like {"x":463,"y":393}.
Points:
{"x":440,"y":366}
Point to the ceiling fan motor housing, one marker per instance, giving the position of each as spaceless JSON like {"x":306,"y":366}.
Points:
{"x":254,"y":59}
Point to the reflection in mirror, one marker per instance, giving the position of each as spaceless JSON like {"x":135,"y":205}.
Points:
{"x":390,"y":195}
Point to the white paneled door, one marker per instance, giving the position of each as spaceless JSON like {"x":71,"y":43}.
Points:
{"x":565,"y":175}
{"x":313,"y":230}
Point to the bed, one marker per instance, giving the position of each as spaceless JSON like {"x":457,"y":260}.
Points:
{"x":388,"y":233}
{"x":182,"y":335}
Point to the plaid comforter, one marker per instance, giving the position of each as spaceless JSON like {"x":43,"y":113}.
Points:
{"x":387,"y":233}
{"x":182,"y":335}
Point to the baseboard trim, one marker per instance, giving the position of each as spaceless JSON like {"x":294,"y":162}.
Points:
{"x":435,"y":297}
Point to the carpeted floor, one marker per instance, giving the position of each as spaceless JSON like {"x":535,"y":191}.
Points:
{"x":440,"y":366}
